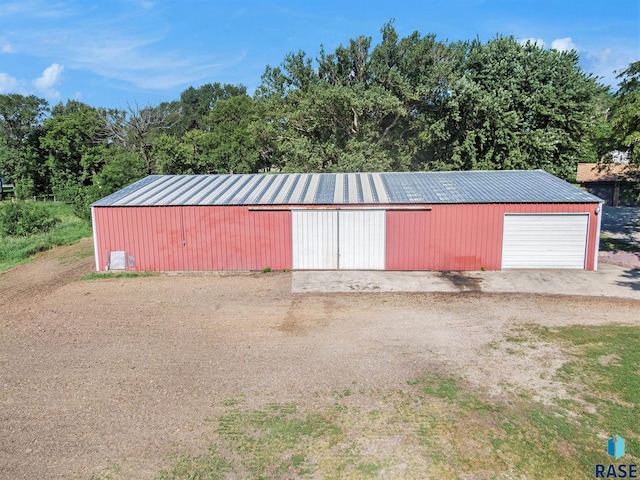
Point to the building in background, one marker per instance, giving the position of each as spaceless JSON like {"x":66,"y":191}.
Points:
{"x":610,"y":182}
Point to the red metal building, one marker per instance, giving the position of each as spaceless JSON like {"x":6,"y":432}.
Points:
{"x":380,"y":221}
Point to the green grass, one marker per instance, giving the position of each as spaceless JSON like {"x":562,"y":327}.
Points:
{"x":17,"y":250}
{"x":609,"y":367}
{"x":210,"y":466}
{"x":439,"y":427}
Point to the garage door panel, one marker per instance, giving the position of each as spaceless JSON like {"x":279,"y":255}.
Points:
{"x":544,"y":241}
{"x":315,"y":240}
{"x":362,"y":239}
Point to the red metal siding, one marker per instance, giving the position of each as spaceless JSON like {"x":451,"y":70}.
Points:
{"x":447,"y":237}
{"x":463,"y":237}
{"x":195,"y":237}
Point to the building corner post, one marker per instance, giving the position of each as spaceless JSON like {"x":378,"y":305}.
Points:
{"x":95,"y":239}
{"x":599,"y":213}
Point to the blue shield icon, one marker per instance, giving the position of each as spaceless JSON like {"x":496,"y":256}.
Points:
{"x":615,"y":447}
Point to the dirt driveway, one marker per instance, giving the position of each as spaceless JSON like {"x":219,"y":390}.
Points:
{"x":127,"y":371}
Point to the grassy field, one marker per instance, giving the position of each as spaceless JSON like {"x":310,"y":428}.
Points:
{"x":70,"y":229}
{"x":438,"y":427}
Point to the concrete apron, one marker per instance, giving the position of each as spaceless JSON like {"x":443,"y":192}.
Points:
{"x":607,"y":281}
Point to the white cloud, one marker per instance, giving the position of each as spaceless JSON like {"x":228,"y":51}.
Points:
{"x":118,"y":49}
{"x":7,"y":48}
{"x":51,"y":76}
{"x":610,"y":61}
{"x":536,"y":41}
{"x":133,"y":59}
{"x":563,"y":44}
{"x":36,"y":9}
{"x":7,"y":83}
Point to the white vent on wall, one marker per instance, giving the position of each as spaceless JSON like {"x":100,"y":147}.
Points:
{"x":117,"y":260}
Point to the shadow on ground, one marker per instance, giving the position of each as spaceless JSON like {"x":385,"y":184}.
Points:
{"x":623,"y":222}
{"x":634,"y":279}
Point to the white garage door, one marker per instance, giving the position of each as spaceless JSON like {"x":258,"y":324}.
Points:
{"x":544,"y":240}
{"x":361,"y":242}
{"x":332,"y":239}
{"x":315,"y":239}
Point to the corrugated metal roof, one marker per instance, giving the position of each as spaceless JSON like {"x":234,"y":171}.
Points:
{"x":511,"y":186}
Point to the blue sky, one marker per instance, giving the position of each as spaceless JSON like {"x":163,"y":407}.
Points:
{"x":110,"y":53}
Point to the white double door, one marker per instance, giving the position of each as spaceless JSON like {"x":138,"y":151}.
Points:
{"x":338,"y":239}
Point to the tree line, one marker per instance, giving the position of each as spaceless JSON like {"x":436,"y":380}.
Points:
{"x":406,"y":104}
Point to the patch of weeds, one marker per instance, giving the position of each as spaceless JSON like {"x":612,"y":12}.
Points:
{"x":474,"y":435}
{"x":298,"y":460}
{"x":496,"y":442}
{"x":515,"y":339}
{"x":230,"y":402}
{"x":266,"y":269}
{"x":108,"y":275}
{"x":441,"y":387}
{"x":521,"y":337}
{"x":374,"y":414}
{"x":512,"y":351}
{"x":276,"y":440}
{"x":368,"y":468}
{"x":107,"y":474}
{"x":210,"y":466}
{"x":345,"y":393}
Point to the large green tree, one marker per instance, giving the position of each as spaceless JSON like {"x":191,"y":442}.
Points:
{"x":106,"y":169}
{"x":70,"y":136}
{"x":196,"y":103}
{"x":356,"y":108}
{"x":516,"y":106}
{"x":225,"y":143}
{"x":625,"y":118}
{"x":21,"y":120}
{"x":417,"y":103}
{"x":20,"y":116}
{"x":231,"y":145}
